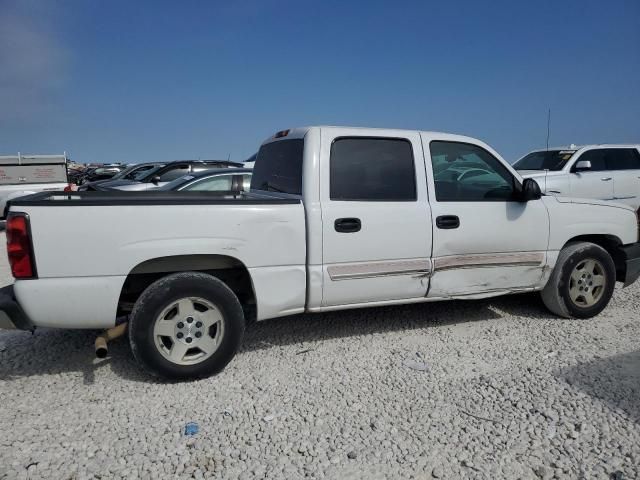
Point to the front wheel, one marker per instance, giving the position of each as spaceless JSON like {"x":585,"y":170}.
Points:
{"x":186,"y":325}
{"x":582,"y":281}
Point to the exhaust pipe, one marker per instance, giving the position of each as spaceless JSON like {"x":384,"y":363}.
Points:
{"x":107,"y":336}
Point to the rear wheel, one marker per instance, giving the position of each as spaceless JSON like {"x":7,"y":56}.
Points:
{"x":582,"y":281}
{"x":186,"y":325}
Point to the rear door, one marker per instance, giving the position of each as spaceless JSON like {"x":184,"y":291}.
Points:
{"x":376,"y":221}
{"x":594,"y":183}
{"x":624,"y":164}
{"x":484,"y":241}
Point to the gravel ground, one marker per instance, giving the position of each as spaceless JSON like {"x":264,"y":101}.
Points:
{"x":478,"y":389}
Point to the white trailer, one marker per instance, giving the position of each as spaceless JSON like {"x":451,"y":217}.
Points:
{"x":22,"y":175}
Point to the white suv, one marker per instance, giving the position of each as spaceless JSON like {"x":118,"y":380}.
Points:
{"x":604,"y":172}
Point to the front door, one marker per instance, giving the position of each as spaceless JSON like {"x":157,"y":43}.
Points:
{"x":376,"y":222}
{"x":594,"y":183}
{"x":484,"y":242}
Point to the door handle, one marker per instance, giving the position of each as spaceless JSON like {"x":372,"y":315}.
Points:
{"x":347,"y":225}
{"x":605,"y":179}
{"x":447,"y":222}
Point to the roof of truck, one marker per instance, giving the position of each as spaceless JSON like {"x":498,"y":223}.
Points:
{"x":299,"y":132}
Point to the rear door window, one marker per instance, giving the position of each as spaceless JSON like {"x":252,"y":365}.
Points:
{"x":278,"y":167}
{"x":622,"y":159}
{"x":213,"y":184}
{"x":372,"y":169}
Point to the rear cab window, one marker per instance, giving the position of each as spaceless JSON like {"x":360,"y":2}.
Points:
{"x":278,"y":167}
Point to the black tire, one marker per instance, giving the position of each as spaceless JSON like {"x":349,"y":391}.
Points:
{"x":161,"y":294}
{"x":555,"y":294}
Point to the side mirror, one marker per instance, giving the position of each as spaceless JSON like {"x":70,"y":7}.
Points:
{"x":155,"y":180}
{"x":530,"y":190}
{"x":582,"y":165}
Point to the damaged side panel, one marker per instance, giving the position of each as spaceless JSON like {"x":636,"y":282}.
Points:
{"x":480,"y":276}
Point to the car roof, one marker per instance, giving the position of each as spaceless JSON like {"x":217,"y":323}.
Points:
{"x":593,"y":146}
{"x":144,"y":164}
{"x":218,"y":171}
{"x":205,"y":162}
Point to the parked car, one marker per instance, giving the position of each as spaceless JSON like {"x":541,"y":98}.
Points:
{"x":215,"y":180}
{"x":27,"y":174}
{"x":75,"y":173}
{"x":161,"y":175}
{"x":603,"y":172}
{"x":132,"y":172}
{"x":105,"y":172}
{"x":336,"y":218}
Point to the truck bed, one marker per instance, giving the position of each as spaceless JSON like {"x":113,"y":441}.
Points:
{"x":83,"y":255}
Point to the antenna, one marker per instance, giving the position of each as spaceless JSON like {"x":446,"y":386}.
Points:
{"x":548,"y":126}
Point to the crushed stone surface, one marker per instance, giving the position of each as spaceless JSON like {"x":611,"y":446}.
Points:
{"x":477,"y":389}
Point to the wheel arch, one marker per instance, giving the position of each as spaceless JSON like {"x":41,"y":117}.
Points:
{"x":228,"y":269}
{"x":612,"y":244}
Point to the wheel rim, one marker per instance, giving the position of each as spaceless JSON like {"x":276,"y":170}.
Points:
{"x":188,"y":331}
{"x":587,"y":283}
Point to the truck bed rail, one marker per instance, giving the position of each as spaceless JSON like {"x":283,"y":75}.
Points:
{"x":98,"y":198}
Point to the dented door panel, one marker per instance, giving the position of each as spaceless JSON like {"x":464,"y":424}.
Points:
{"x":498,"y":246}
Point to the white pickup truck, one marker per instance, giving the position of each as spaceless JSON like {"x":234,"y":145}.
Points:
{"x":336,"y":218}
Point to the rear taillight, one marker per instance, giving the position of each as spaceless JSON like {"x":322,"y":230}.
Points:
{"x":19,"y":247}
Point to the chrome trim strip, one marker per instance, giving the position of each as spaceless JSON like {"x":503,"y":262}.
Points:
{"x":353,"y":271}
{"x":489,"y":260}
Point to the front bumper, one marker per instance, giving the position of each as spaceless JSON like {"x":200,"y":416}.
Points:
{"x":11,"y":314}
{"x":631,"y":263}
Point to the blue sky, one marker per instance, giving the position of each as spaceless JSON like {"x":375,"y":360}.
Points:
{"x":140,"y":81}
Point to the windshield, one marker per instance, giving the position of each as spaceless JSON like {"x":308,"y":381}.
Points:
{"x":547,"y":160}
{"x":146,"y":173}
{"x":132,"y":172}
{"x":124,"y":172}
